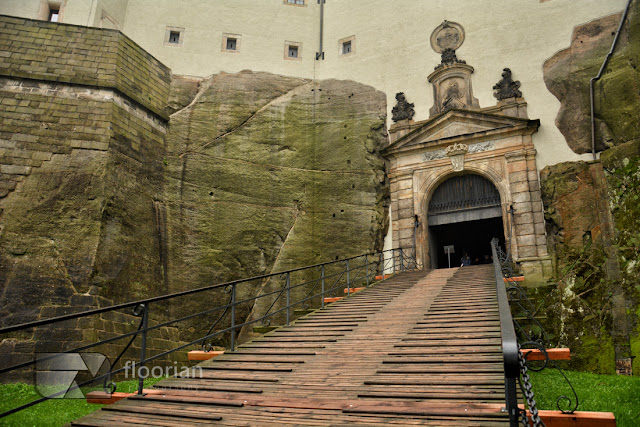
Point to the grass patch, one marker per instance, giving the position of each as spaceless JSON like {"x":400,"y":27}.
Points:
{"x":600,"y":393}
{"x":54,"y":412}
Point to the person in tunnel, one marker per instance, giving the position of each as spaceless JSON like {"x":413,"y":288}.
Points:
{"x":465,"y":260}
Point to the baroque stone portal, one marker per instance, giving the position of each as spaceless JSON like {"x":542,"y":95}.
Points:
{"x":460,"y":138}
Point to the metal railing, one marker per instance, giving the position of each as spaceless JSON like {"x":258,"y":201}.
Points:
{"x":310,"y":285}
{"x":525,"y":330}
{"x":510,"y":348}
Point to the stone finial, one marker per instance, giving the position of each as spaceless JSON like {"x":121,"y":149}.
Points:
{"x":403,"y":109}
{"x":506,"y":87}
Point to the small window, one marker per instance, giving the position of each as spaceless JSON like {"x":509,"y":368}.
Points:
{"x":346,"y":47}
{"x":231,"y":42}
{"x":54,"y":14}
{"x":296,"y":2}
{"x":292,"y":51}
{"x":174,"y":37}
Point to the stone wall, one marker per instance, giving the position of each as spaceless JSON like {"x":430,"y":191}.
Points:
{"x":82,"y":56}
{"x":82,"y":134}
{"x":103,"y":200}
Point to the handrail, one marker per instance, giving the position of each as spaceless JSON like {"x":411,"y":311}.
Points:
{"x":392,"y":260}
{"x":36,"y":323}
{"x":509,"y":341}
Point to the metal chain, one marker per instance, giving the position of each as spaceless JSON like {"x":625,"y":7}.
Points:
{"x":528,"y":394}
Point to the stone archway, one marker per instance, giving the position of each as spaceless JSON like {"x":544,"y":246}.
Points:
{"x":464,"y":211}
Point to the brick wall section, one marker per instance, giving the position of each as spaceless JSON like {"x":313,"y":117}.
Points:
{"x":74,"y":333}
{"x":81,"y":55}
{"x":82,"y":137}
{"x":38,"y":120}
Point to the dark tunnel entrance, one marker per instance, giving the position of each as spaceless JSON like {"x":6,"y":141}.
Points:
{"x":464,"y":212}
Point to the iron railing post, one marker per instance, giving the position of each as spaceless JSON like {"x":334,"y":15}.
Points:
{"x":511,"y":400}
{"x":382,"y":265}
{"x":401,"y":260}
{"x":143,"y":346}
{"x":366,"y":263}
{"x":288,"y":285}
{"x":322,"y":276}
{"x":233,"y":317}
{"x":348,"y":281}
{"x":393,"y":257}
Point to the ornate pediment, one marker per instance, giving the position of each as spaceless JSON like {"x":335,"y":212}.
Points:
{"x":459,"y":126}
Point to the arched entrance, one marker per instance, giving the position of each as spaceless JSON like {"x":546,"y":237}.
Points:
{"x":464,"y":212}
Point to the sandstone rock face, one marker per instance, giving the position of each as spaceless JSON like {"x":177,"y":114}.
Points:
{"x":567,"y":76}
{"x":592,"y":209}
{"x":267,"y":173}
{"x":591,"y":212}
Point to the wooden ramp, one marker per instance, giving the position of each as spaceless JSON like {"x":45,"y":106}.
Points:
{"x":422,"y":348}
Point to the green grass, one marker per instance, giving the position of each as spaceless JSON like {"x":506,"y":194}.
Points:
{"x":54,"y":412}
{"x":600,"y":393}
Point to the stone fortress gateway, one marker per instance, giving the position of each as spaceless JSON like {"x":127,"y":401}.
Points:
{"x":145,"y":144}
{"x":459,"y":143}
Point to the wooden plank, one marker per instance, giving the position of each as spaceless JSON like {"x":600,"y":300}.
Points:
{"x":363,"y":362}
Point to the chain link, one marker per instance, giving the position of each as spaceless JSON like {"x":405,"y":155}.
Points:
{"x":528,"y":394}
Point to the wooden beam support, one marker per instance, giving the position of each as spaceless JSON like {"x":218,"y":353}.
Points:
{"x":104,"y":398}
{"x":332,"y":299}
{"x":514,"y":279}
{"x":203,"y":355}
{"x":352,"y":290}
{"x":553,"y":353}
{"x":577,"y":419}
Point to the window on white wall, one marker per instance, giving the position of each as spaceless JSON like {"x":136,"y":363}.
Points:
{"x":50,"y":10}
{"x":231,"y":42}
{"x":292,"y":51}
{"x":174,"y":36}
{"x":294,"y":2}
{"x":347,"y":46}
{"x":54,"y":15}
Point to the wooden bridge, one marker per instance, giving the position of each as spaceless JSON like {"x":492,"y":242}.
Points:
{"x":419,"y":348}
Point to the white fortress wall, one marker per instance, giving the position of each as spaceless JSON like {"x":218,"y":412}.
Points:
{"x":391,"y":48}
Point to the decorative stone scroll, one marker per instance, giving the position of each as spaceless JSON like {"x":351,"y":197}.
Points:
{"x":456,"y":153}
{"x":403,"y":109}
{"x":507,"y":88}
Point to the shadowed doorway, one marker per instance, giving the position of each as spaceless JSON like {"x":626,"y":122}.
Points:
{"x":465,"y":212}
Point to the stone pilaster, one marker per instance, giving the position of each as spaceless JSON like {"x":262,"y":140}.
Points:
{"x":530,"y":248}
